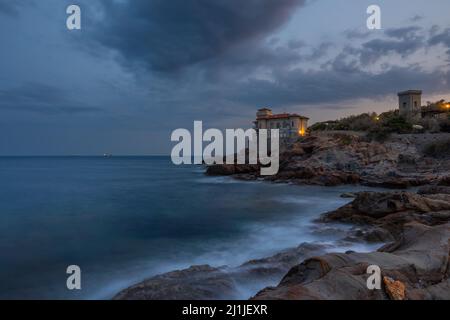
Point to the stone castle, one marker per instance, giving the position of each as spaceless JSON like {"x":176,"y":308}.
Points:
{"x":410,"y":107}
{"x":291,"y":125}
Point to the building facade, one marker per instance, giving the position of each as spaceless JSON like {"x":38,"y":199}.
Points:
{"x":439,"y":110}
{"x":410,"y":107}
{"x":410,"y":104}
{"x":290,"y":125}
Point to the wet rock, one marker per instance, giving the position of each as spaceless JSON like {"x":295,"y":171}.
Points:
{"x":221,"y":170}
{"x":391,"y":210}
{"x":407,"y":159}
{"x":280,"y":262}
{"x":418,"y":261}
{"x":207,"y":283}
{"x":338,"y":159}
{"x":387,"y":183}
{"x":327,"y":230}
{"x":434,"y":190}
{"x":417,"y":258}
{"x":369,"y":234}
{"x":231,"y":169}
{"x":348,"y":195}
{"x":195,"y":283}
{"x":444,"y":181}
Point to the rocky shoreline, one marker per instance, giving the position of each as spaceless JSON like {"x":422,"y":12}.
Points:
{"x":331,"y":159}
{"x":417,"y":261}
{"x":417,"y":258}
{"x":414,"y":225}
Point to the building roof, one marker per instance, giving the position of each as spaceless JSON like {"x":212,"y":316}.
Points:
{"x":442,"y":108}
{"x":282,"y":116}
{"x":408,"y":92}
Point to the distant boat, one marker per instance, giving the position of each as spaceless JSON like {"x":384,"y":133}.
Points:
{"x":107,"y":155}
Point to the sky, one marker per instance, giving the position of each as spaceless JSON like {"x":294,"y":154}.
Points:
{"x":139,"y":69}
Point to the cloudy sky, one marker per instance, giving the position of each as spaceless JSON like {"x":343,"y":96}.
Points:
{"x":139,"y":69}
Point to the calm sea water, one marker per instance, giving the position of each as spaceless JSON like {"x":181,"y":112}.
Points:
{"x":123,"y":219}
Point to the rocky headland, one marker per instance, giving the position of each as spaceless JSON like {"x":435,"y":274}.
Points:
{"x":413,"y":227}
{"x":337,"y":158}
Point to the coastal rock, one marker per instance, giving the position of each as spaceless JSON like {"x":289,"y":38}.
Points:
{"x":207,"y":283}
{"x":221,"y":170}
{"x":407,"y":159}
{"x":394,"y":289}
{"x":370,"y":234}
{"x":444,"y":181}
{"x":414,"y":264}
{"x":434,"y":190}
{"x":195,"y":283}
{"x":388,"y":183}
{"x":279,"y":263}
{"x":231,"y":169}
{"x":419,"y":262}
{"x":416,"y":260}
{"x":348,"y":195}
{"x":346,"y":158}
{"x":392,"y":210}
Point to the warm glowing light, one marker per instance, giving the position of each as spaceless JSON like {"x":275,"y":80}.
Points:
{"x":301,"y":132}
{"x":377,"y":118}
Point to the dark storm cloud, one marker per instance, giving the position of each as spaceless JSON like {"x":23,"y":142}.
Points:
{"x":342,"y":77}
{"x":442,"y":38}
{"x":402,"y":41}
{"x":223,"y":43}
{"x":340,"y":81}
{"x":229,"y":44}
{"x":41,"y":98}
{"x":169,"y":35}
{"x":233,"y":56}
{"x":377,"y":48}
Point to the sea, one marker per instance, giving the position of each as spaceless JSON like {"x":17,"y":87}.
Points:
{"x":124,"y":219}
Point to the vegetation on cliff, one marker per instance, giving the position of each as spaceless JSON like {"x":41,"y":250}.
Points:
{"x":379,"y":127}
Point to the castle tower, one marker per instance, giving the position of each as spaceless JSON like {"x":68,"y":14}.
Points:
{"x":410,"y":104}
{"x":264,"y":112}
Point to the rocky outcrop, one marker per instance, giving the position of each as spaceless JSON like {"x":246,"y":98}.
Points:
{"x":434,"y":190}
{"x":444,"y":181}
{"x":195,"y":283}
{"x":392,"y":210}
{"x":232,"y":169}
{"x":337,"y":159}
{"x":208,"y":283}
{"x":415,"y":267}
